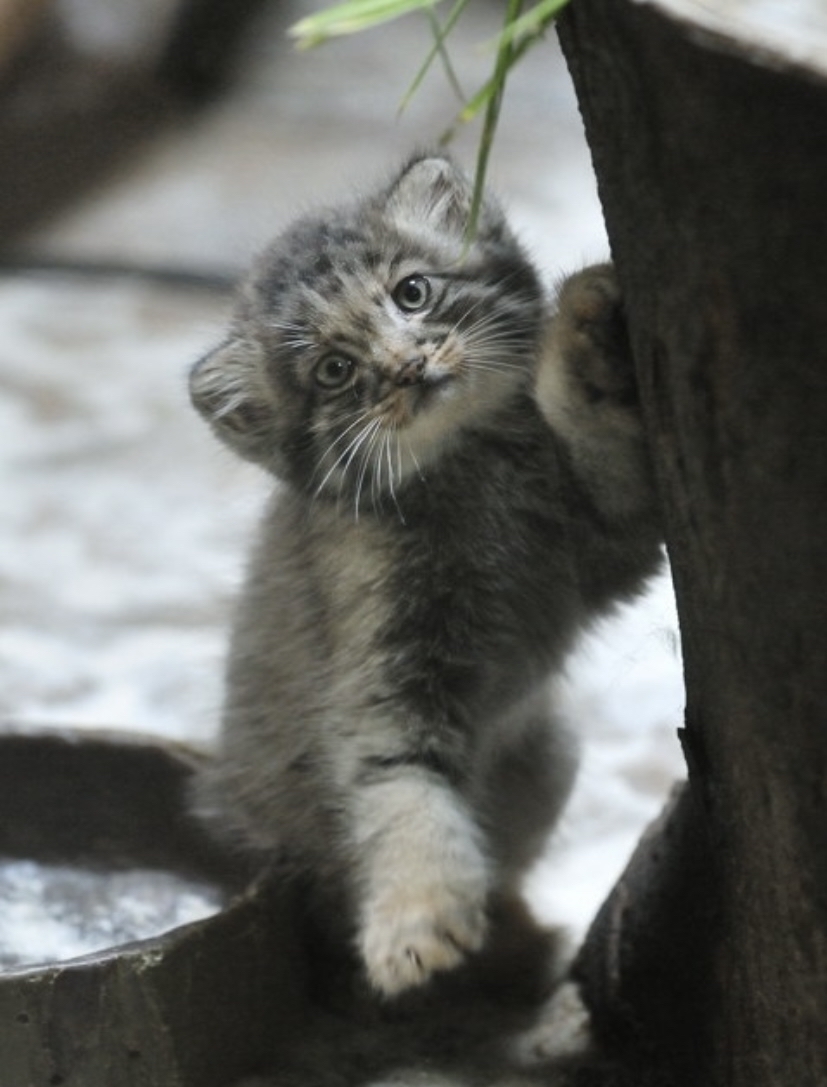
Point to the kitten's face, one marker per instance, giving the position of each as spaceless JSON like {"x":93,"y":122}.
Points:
{"x":370,"y":339}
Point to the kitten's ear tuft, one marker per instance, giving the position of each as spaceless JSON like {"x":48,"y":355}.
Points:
{"x":228,"y":388}
{"x":431,"y":191}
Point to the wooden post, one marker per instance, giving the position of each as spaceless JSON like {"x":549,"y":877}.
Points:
{"x":711,"y":158}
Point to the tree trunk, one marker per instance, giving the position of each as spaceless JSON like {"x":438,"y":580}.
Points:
{"x":711,"y":158}
{"x":644,"y":967}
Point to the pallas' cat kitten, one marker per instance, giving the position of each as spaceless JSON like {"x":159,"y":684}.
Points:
{"x":464,"y":487}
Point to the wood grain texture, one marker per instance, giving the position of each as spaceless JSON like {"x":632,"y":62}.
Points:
{"x":712,"y":168}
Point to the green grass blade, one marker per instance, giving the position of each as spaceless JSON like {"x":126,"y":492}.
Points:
{"x":532,"y":23}
{"x":349,"y":17}
{"x":521,"y":29}
{"x":441,"y":32}
{"x":489,"y":127}
{"x":480,"y":99}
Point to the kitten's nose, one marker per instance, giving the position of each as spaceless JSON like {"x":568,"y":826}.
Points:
{"x":411,"y":371}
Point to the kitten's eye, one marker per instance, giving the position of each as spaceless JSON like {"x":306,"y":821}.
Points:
{"x":333,"y":371}
{"x":412,"y":294}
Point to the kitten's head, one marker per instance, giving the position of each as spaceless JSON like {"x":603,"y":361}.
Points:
{"x":371,"y":336}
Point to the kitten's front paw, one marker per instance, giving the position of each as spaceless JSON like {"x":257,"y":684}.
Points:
{"x":590,"y":337}
{"x":587,"y":391}
{"x":411,"y":932}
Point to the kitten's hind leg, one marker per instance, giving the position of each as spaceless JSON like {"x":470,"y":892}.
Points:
{"x":529,"y":780}
{"x":530,"y":774}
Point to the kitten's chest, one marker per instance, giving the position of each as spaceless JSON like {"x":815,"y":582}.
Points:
{"x":485,"y":555}
{"x":469,"y":573}
{"x":495,"y":504}
{"x":355,"y":565}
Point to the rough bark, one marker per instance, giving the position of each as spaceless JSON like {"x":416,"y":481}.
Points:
{"x":711,"y":158}
{"x":644,"y":967}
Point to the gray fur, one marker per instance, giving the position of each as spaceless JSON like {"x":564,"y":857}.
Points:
{"x":464,"y":490}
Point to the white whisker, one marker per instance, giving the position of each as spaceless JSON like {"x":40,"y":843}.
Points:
{"x":493,"y":366}
{"x":359,"y":418}
{"x":393,"y":434}
{"x":287,"y":326}
{"x":416,"y":462}
{"x":491,"y":328}
{"x":363,"y":435}
{"x":376,"y":480}
{"x":367,"y":454}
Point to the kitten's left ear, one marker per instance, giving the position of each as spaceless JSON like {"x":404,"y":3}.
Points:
{"x":434,"y":192}
{"x":228,"y":388}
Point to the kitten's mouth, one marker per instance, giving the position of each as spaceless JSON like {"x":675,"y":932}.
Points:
{"x":429,"y":388}
{"x":416,"y":394}
{"x":438,"y":380}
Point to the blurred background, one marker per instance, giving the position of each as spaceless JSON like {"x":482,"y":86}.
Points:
{"x":149,"y":149}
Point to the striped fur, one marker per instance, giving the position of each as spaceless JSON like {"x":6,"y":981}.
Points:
{"x":464,"y":487}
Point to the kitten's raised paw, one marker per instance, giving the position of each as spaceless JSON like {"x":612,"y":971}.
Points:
{"x":409,"y":934}
{"x":590,"y":335}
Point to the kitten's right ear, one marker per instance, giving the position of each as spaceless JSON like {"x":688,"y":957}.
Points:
{"x":432,"y":191}
{"x":229,"y":389}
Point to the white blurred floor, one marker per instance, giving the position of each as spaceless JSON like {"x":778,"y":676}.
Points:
{"x":123,"y":523}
